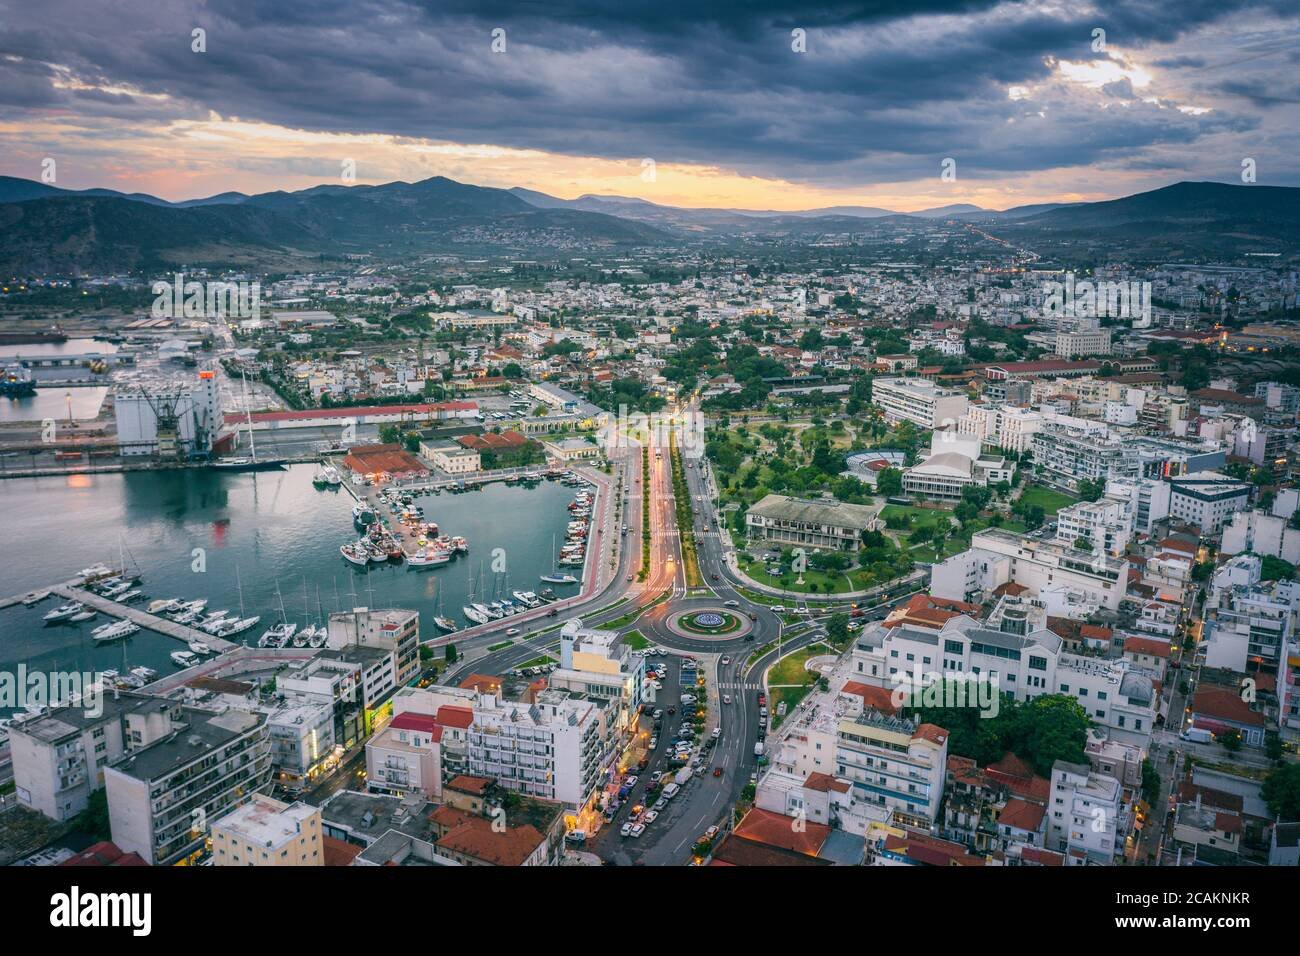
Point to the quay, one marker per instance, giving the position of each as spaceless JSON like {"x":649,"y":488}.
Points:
{"x":152,"y":622}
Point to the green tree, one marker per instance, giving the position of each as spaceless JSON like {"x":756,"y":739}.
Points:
{"x":1281,"y":791}
{"x":889,"y":482}
{"x":450,"y":654}
{"x":837,"y":628}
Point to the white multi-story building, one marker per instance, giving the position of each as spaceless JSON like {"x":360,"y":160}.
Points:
{"x":918,"y":401}
{"x":1248,"y":623}
{"x":1261,"y":533}
{"x":1105,"y":523}
{"x":600,"y":665}
{"x":1207,"y":499}
{"x":1083,"y":342}
{"x":395,"y":631}
{"x":1117,"y":694}
{"x":558,"y":747}
{"x":955,"y":461}
{"x":1086,"y":819}
{"x":59,"y":756}
{"x":163,"y":795}
{"x":895,"y":767}
{"x":1069,"y":583}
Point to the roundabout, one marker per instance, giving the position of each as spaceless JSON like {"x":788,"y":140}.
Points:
{"x":708,"y":623}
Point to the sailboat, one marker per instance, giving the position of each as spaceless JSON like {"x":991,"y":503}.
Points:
{"x":444,"y":623}
{"x":251,"y":463}
{"x":280,"y":634}
{"x":555,"y":577}
{"x":475,"y":612}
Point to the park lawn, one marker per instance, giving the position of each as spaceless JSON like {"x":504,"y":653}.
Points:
{"x":790,"y":669}
{"x":934,"y":517}
{"x":1050,"y":500}
{"x":791,"y":696}
{"x":814,"y":581}
{"x":635,"y":640}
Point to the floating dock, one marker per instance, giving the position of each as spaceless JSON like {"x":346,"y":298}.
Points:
{"x":152,"y":622}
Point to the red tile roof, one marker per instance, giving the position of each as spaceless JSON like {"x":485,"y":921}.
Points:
{"x":931,"y":732}
{"x":421,"y":722}
{"x":1022,"y":815}
{"x":104,"y":853}
{"x":876,"y":698}
{"x":774,"y":829}
{"x":452,"y":716}
{"x":339,"y":852}
{"x":824,"y":783}
{"x":1150,"y":646}
{"x":467,"y":784}
{"x":1224,"y":704}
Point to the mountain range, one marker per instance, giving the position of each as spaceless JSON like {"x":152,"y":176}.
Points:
{"x":48,"y":230}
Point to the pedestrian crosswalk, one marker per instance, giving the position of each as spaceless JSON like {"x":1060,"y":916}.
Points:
{"x":737,"y":685}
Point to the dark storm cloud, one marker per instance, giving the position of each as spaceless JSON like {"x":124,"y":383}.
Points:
{"x":885,"y":90}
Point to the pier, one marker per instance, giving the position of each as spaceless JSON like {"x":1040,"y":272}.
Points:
{"x":152,"y":622}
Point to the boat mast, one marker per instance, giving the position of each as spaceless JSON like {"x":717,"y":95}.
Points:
{"x":248,"y":416}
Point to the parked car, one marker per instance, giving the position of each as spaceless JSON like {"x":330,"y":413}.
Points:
{"x":625,"y":830}
{"x":638,"y":829}
{"x":650,"y":817}
{"x":710,"y":833}
{"x":656,"y":776}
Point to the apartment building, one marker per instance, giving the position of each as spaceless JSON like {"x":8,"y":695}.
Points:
{"x":406,"y":757}
{"x":1106,"y":524}
{"x":894,"y":767}
{"x":335,"y":683}
{"x":1070,"y":454}
{"x":1086,"y":818}
{"x":600,"y":665}
{"x":1083,"y":342}
{"x":1068,"y":582}
{"x":918,"y":401}
{"x":1207,"y":499}
{"x":397,"y":631}
{"x":164,"y":793}
{"x":268,"y":832}
{"x":59,"y":756}
{"x":556,"y":747}
{"x":1117,"y":694}
{"x":1248,"y":623}
{"x":1261,"y":533}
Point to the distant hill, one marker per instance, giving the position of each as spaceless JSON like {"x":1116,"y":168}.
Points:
{"x":48,"y":230}
{"x":56,"y":231}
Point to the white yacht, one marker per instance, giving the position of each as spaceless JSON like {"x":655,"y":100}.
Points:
{"x":64,"y":611}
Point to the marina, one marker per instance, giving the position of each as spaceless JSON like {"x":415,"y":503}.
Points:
{"x":200,"y":534}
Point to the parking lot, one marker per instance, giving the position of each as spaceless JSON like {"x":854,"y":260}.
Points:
{"x":670,"y":754}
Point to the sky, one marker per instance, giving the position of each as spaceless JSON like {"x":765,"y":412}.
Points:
{"x":756,"y":105}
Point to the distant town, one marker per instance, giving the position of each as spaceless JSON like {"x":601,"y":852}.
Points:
{"x":839,"y":521}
